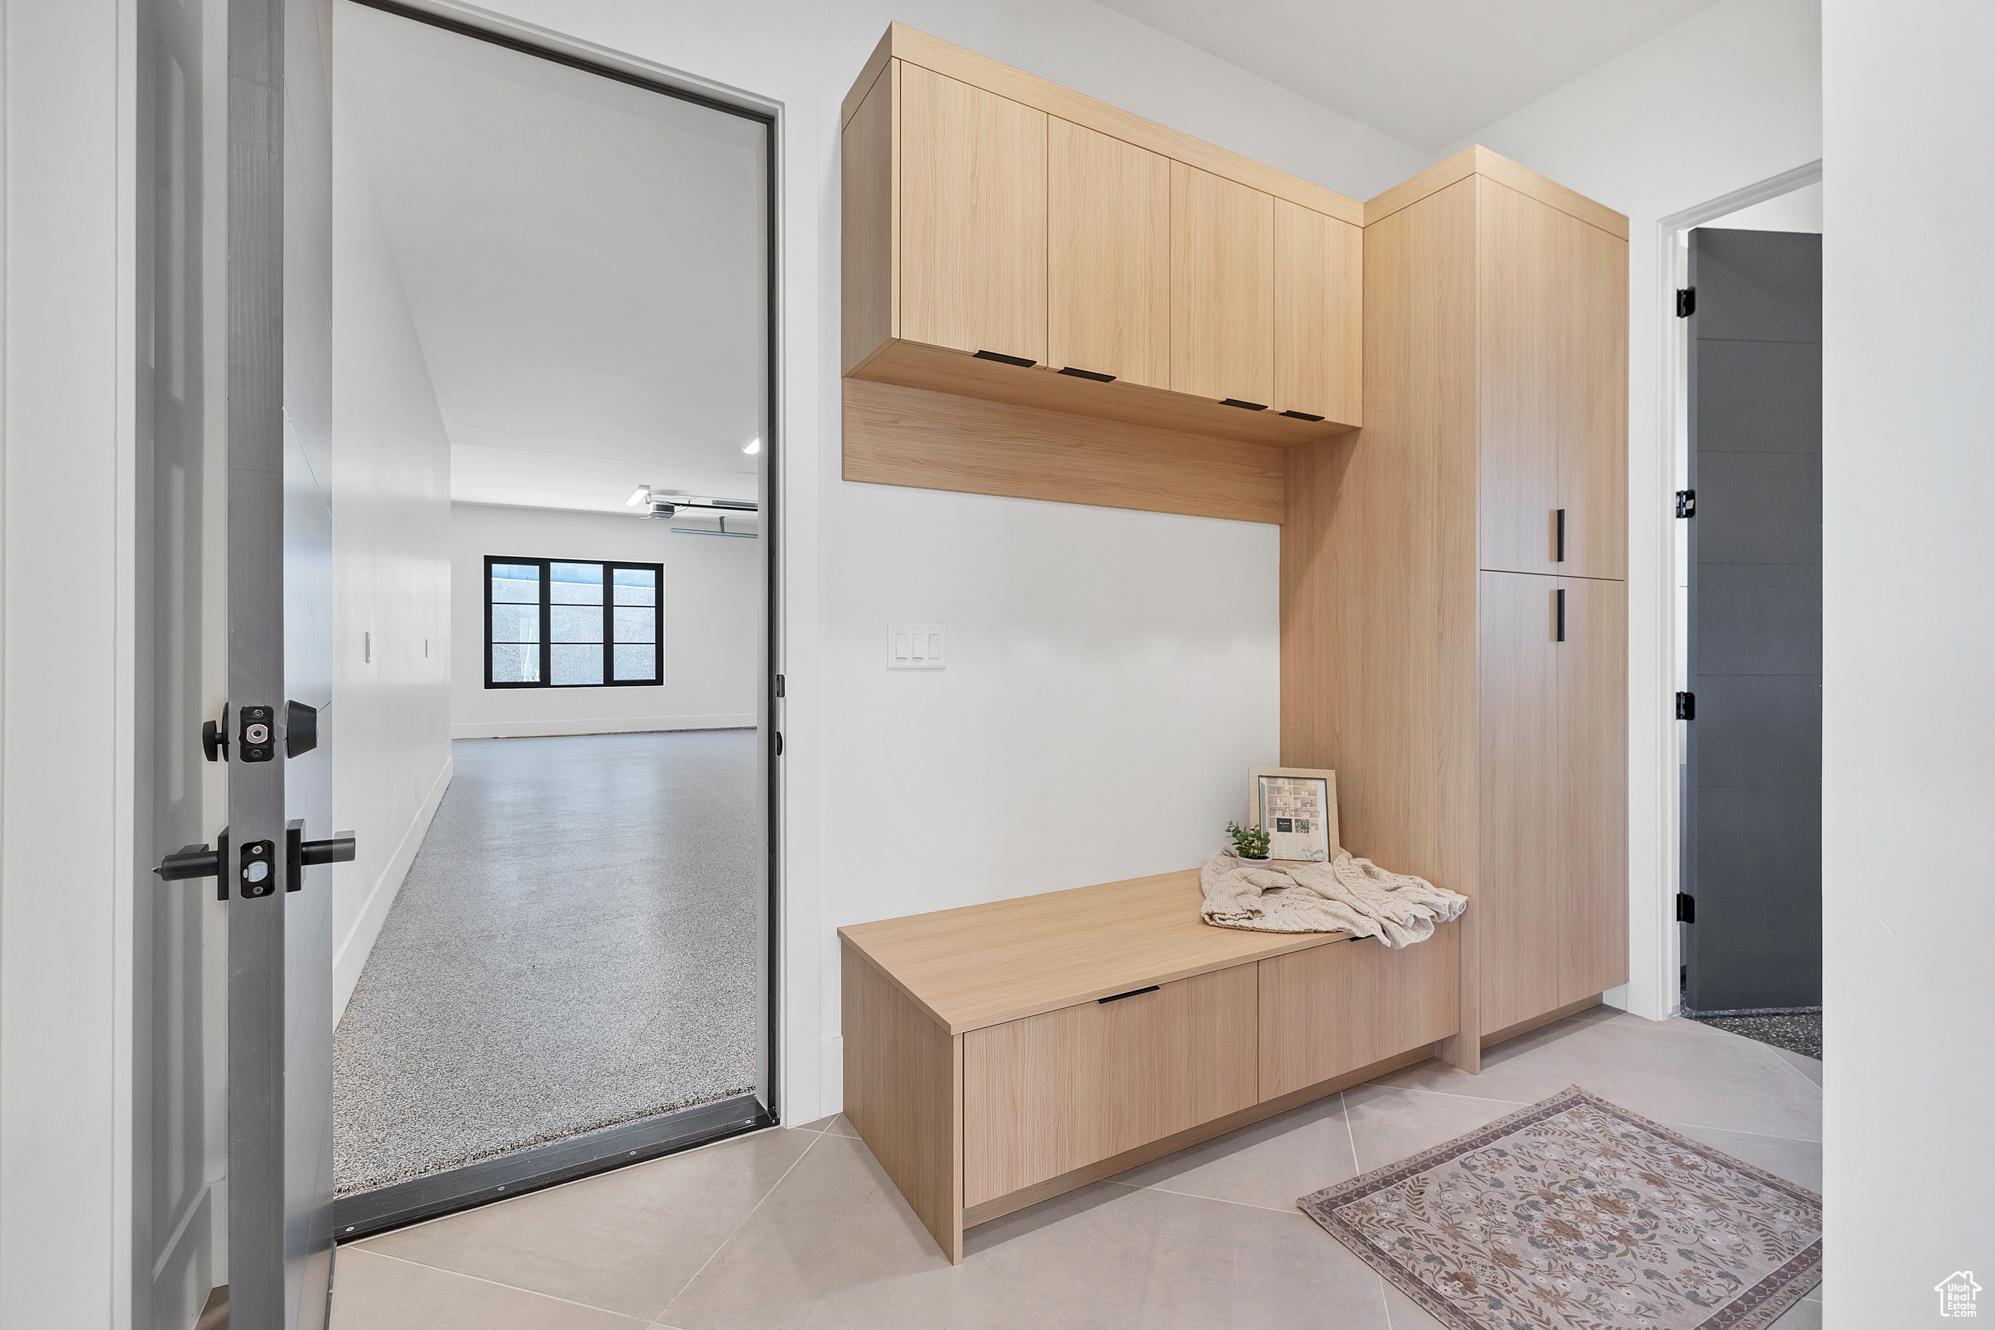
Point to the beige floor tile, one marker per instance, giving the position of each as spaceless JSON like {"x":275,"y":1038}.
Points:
{"x":819,"y":1125}
{"x":1800,"y":1162}
{"x":1270,"y":1164}
{"x":376,"y":1292}
{"x":842,"y":1126}
{"x":627,"y":1241}
{"x":835,"y":1247}
{"x":1801,"y":1062}
{"x":1405,"y":1312}
{"x":1672,"y":1075}
{"x":1803,"y":1315}
{"x":1391,"y":1123}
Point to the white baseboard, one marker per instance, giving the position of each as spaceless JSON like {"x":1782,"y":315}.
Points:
{"x":547,"y":729}
{"x":830,"y":1077}
{"x":350,"y":957}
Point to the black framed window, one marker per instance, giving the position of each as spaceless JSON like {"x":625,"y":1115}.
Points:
{"x":573,"y":623}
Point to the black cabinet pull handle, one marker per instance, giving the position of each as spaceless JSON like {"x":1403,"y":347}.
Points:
{"x":1561,"y":556}
{"x":1004,"y":359}
{"x":1088,"y":374}
{"x":1134,"y":992}
{"x":1244,"y":406}
{"x":1561,"y":595}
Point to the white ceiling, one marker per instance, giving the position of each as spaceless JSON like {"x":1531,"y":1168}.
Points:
{"x":1428,"y":72}
{"x":584,"y":262}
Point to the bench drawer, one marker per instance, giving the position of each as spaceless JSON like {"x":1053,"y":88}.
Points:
{"x":1055,"y":1092}
{"x":1333,"y":1009}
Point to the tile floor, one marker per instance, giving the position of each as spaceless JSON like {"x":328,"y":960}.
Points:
{"x":798,"y":1227}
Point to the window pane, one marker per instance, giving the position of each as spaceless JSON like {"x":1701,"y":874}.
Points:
{"x":577,"y":584}
{"x":578,"y":665}
{"x":636,"y":664}
{"x":516,"y":583}
{"x":636,"y":586}
{"x":636,"y":625}
{"x":576,"y":623}
{"x":515,"y":623}
{"x":515,"y":664}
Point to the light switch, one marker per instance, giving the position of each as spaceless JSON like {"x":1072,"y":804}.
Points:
{"x":915,"y":646}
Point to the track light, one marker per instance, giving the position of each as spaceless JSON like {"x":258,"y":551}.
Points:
{"x":642,"y":494}
{"x":753,"y":446}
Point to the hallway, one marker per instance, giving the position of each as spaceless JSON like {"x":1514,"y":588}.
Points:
{"x":574,"y":947}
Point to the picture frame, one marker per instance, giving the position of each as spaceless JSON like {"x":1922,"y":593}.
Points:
{"x":1303,"y":798}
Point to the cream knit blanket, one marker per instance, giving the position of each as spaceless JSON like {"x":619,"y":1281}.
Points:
{"x":1346,"y":895}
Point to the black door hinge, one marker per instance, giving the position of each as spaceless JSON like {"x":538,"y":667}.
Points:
{"x":779,"y":685}
{"x":1686,"y":503}
{"x":1686,"y":302}
{"x":779,"y":743}
{"x":1686,"y":706}
{"x":1686,"y":908}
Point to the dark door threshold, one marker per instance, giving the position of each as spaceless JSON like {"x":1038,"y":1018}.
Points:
{"x":401,"y":1203}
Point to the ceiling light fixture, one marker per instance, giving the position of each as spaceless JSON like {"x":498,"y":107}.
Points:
{"x":642,"y":494}
{"x":753,"y":446}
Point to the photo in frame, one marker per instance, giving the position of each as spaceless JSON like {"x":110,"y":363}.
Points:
{"x":1298,"y":808}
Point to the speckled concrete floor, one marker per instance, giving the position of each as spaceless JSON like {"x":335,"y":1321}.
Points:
{"x":574,"y":947}
{"x":1797,"y":1032}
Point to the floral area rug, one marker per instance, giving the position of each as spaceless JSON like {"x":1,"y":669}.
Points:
{"x":1575,"y":1213}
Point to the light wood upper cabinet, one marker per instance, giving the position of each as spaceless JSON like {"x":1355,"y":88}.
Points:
{"x":1108,"y":225}
{"x":972,"y":218}
{"x":1593,"y":412}
{"x":1222,"y":288}
{"x":1524,"y":340}
{"x":1319,"y":307}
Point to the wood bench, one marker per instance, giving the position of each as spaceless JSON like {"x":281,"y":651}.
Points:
{"x":997,"y":1055}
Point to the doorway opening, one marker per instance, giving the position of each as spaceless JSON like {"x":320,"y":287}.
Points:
{"x":1746,"y":623}
{"x":555,"y":606}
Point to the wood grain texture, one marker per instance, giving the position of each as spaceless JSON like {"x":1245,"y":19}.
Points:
{"x":914,"y":365}
{"x":1319,"y":313}
{"x":1222,"y":287}
{"x":1378,"y":582}
{"x":955,"y":61}
{"x":1479,"y":160}
{"x":907,"y":436}
{"x":972,"y":219}
{"x":1330,"y":1010}
{"x":1052,"y":1093}
{"x":1143,"y":1154}
{"x":1109,"y":256}
{"x":903,"y":1095}
{"x":1540,"y":1021}
{"x":1523,"y":848}
{"x":1593,"y":411}
{"x":980,"y":965}
{"x":868,"y":75}
{"x":1593,"y":702}
{"x":1522,"y":269}
{"x":870,"y":266}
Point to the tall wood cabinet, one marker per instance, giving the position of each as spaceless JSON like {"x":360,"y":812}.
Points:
{"x":1454,"y":614}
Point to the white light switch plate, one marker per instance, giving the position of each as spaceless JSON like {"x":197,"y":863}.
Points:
{"x":916,"y":646}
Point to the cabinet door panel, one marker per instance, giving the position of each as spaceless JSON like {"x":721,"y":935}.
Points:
{"x":972,"y":218}
{"x":1319,"y":279}
{"x":1333,"y":1009}
{"x":1048,"y":1094}
{"x":1222,"y":287}
{"x":1593,"y":693}
{"x":1519,"y":893}
{"x":1522,"y":244}
{"x":1593,"y":425}
{"x":1109,"y":256}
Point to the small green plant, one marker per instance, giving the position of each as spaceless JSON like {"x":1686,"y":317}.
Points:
{"x":1248,"y":842}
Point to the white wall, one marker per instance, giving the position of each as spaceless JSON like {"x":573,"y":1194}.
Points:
{"x":66,"y":689}
{"x":1908,"y":585}
{"x":1079,"y":601}
{"x":387,"y":730}
{"x":1722,"y":101}
{"x":713,"y":625}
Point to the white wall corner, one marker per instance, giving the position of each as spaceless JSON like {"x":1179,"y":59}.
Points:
{"x":350,"y":957}
{"x":831,"y":1076}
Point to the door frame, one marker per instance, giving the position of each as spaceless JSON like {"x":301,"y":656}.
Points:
{"x":1672,"y":240}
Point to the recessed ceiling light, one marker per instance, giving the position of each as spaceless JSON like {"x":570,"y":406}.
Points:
{"x":639,"y":495}
{"x":753,"y":446}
